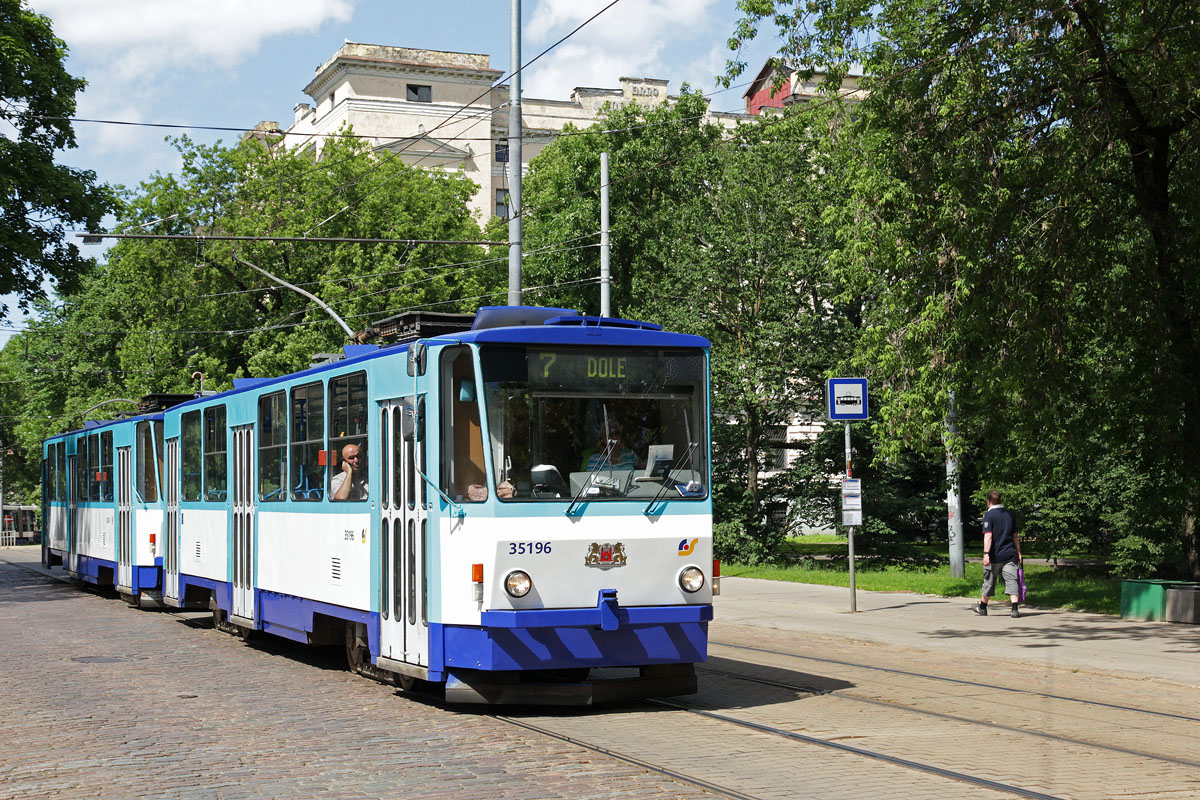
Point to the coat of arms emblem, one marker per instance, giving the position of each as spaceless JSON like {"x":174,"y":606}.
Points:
{"x":605,"y":556}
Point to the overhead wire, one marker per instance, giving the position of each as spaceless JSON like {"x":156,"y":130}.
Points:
{"x":489,"y":90}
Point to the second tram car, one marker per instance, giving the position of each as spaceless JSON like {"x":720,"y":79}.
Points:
{"x":102,"y":510}
{"x":520,"y":511}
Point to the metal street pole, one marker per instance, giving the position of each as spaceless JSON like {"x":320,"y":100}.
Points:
{"x":605,"y":274}
{"x":953,"y":496}
{"x":514,"y":161}
{"x":850,"y":532}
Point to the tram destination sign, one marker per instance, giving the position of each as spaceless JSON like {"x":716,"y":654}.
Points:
{"x":846,"y":399}
{"x":592,"y":369}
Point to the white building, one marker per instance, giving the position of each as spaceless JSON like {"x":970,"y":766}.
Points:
{"x":439,"y":110}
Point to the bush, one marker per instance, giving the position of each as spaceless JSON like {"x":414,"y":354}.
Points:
{"x":732,"y":544}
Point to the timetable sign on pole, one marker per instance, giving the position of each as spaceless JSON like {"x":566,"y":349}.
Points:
{"x":846,"y":398}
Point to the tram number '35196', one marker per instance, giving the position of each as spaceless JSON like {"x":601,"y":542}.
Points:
{"x":528,"y":548}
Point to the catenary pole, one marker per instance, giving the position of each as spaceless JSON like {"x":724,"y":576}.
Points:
{"x":605,"y":274}
{"x":953,"y":496}
{"x":514,"y":161}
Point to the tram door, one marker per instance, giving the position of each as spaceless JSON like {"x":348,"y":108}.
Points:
{"x":124,"y":522}
{"x":243,"y":522}
{"x":171,"y":545}
{"x":404,"y":625}
{"x":72,"y":517}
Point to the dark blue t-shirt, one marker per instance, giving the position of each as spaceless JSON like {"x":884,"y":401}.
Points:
{"x":1000,"y":522}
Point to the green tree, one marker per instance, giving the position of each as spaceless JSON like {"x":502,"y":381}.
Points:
{"x":37,"y":99}
{"x":715,"y":232}
{"x":160,"y":310}
{"x":752,"y":273}
{"x":659,"y":157}
{"x":1025,"y":222}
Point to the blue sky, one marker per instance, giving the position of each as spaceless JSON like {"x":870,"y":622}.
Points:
{"x":237,"y":62}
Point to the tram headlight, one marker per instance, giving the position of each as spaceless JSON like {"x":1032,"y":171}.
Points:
{"x":518,"y":583}
{"x":691,"y":579}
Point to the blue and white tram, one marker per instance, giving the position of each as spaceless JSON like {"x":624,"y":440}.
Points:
{"x":529,"y":504}
{"x":102,"y":510}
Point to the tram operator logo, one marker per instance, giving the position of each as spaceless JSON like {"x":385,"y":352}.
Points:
{"x":605,"y":556}
{"x":686,"y":548}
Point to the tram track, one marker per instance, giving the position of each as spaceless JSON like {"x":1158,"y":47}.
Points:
{"x":929,"y":769}
{"x":960,"y":682}
{"x":842,"y":695}
{"x":804,"y":739}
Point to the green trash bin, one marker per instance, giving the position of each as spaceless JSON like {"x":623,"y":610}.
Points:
{"x":1146,"y":599}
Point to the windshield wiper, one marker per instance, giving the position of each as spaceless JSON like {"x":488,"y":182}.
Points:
{"x":587,"y":482}
{"x":667,"y":483}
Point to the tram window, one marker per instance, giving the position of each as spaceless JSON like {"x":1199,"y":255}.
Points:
{"x":81,"y":470}
{"x":383,"y":458}
{"x":93,"y":468}
{"x":425,"y":573}
{"x":412,"y":571}
{"x":397,"y":570}
{"x":272,"y":447}
{"x":107,"y":478}
{"x":384,"y":597}
{"x":191,"y":455}
{"x":462,"y":436}
{"x":348,"y":427}
{"x":50,"y":476}
{"x":216,"y":463}
{"x":147,"y":469}
{"x":308,"y":441}
{"x":60,"y":474}
{"x":401,"y":445}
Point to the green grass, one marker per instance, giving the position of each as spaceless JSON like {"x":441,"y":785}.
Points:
{"x":1074,"y":588}
{"x":830,"y":545}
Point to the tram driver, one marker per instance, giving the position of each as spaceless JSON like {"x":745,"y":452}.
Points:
{"x":351,"y":482}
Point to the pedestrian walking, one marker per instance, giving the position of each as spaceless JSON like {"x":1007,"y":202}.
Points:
{"x":1001,"y":554}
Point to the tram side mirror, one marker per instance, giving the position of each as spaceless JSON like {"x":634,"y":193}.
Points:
{"x":408,"y":426}
{"x":466,"y":391}
{"x":421,"y":418}
{"x":412,"y":423}
{"x":417,"y":355}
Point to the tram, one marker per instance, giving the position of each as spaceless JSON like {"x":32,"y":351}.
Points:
{"x":102,"y":511}
{"x":519,"y":510}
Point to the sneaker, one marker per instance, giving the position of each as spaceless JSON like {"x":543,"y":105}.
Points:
{"x":1014,"y":613}
{"x":980,"y":609}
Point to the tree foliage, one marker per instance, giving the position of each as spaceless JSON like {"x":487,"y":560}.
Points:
{"x":719,"y":233}
{"x":37,"y":100}
{"x":1024,"y":224}
{"x":161,"y":310}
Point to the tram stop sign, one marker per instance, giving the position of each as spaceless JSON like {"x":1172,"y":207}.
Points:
{"x":846,"y":399}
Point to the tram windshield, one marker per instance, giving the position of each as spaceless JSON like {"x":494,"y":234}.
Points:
{"x":594,"y":424}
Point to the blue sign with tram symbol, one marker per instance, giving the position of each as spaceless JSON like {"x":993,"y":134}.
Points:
{"x":846,"y":398}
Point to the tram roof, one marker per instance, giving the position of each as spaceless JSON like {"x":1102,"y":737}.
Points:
{"x":91,"y":426}
{"x":502,"y":324}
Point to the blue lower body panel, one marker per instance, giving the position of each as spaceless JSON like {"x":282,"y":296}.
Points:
{"x":103,"y":572}
{"x":570,"y":647}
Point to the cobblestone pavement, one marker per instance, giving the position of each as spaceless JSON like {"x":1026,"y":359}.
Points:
{"x":196,"y":713}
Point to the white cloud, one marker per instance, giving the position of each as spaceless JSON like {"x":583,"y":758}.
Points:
{"x":630,"y":40}
{"x":140,"y":37}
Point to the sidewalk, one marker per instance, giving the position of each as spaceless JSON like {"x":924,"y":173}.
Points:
{"x":1049,"y":637}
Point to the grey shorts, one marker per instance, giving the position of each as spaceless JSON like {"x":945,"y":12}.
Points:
{"x":1008,"y":570}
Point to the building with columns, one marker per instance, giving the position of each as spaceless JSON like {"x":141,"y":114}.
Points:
{"x":439,"y":110}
